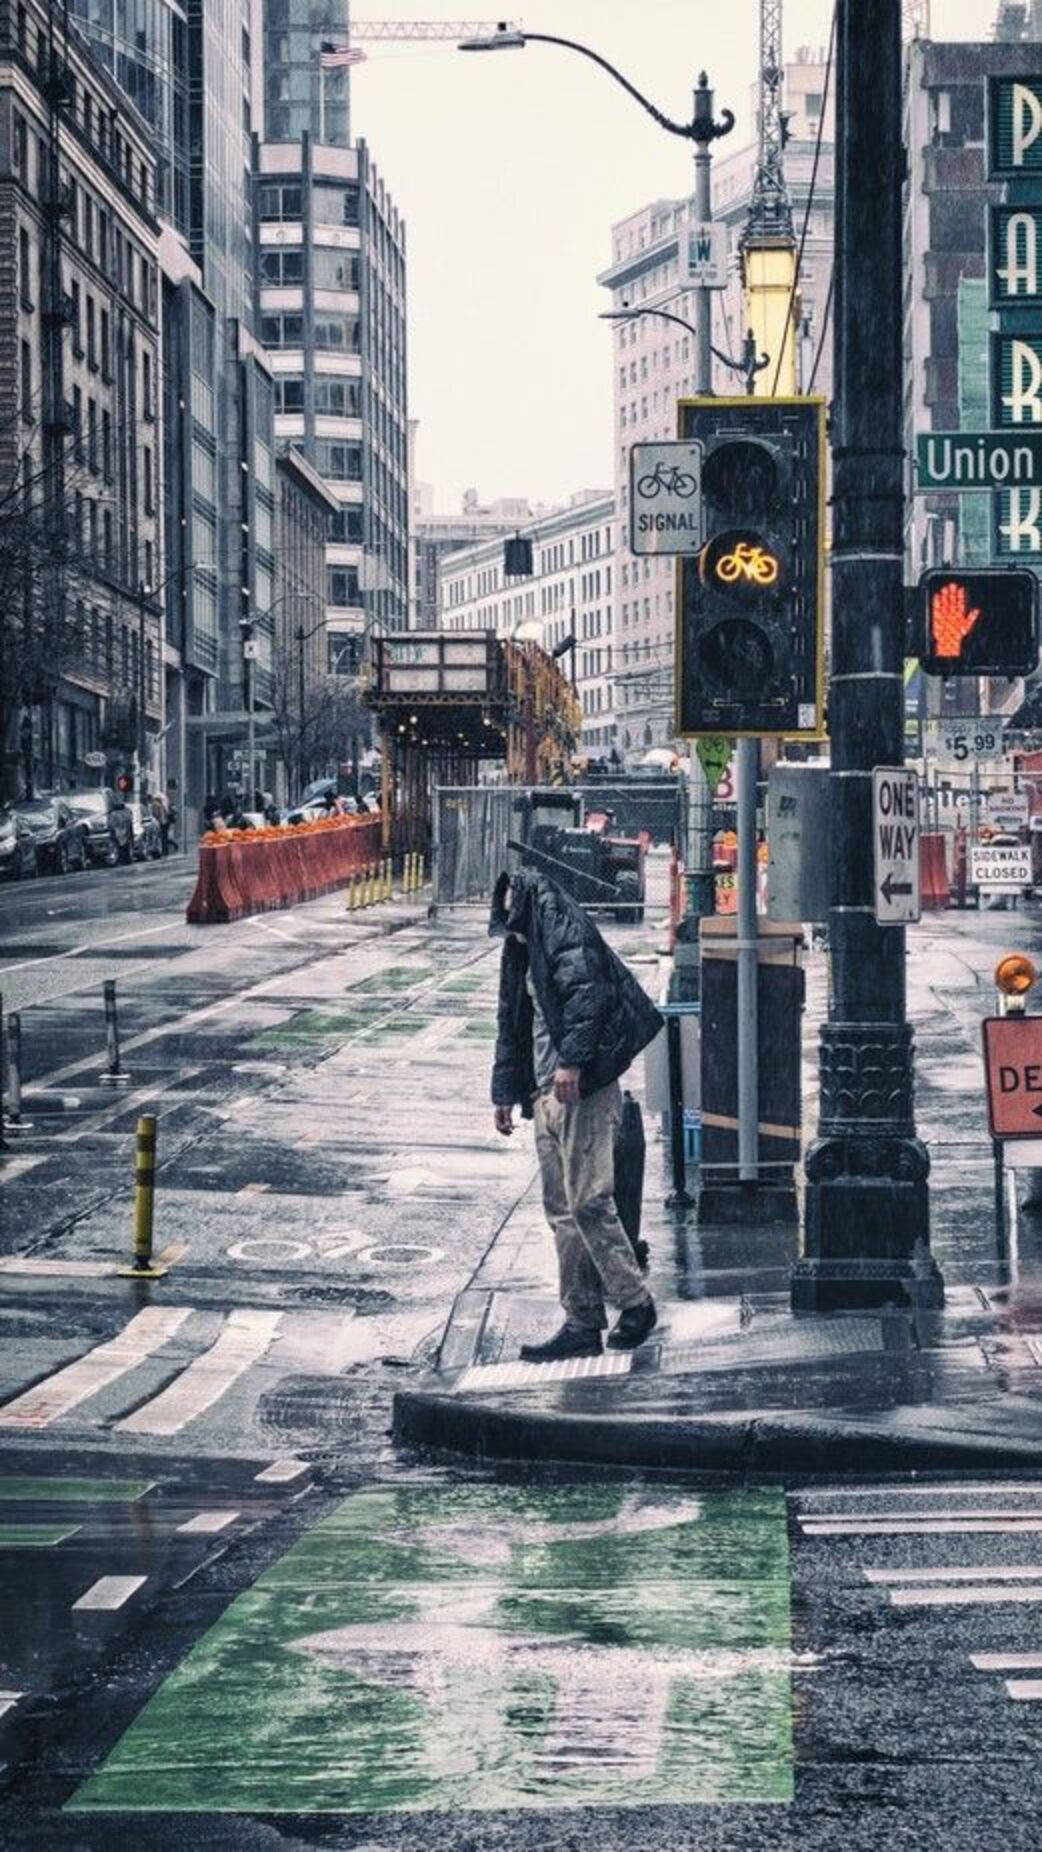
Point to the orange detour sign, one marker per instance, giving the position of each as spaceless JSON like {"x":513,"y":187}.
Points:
{"x":1013,"y":1066}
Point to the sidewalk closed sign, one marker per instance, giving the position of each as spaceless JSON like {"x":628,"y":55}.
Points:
{"x":1013,"y":1066}
{"x":1005,"y":865}
{"x":895,"y":844}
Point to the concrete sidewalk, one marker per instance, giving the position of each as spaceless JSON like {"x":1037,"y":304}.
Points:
{"x":729,"y":1380}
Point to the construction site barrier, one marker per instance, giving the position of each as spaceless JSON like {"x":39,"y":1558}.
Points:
{"x":258,"y":871}
{"x":933,"y":871}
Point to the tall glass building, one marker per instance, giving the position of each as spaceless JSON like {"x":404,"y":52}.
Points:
{"x":188,"y":65}
{"x":331,"y":277}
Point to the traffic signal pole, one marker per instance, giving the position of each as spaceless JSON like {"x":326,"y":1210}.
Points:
{"x":867,"y":1206}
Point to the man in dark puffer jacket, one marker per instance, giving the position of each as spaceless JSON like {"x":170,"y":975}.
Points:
{"x":571,"y":1019}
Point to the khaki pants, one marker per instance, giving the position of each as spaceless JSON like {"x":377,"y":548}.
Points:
{"x":594,"y":1256}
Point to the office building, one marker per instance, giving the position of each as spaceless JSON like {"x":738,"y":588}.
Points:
{"x":569,"y":596}
{"x":331,"y":269}
{"x":81,"y":685}
{"x":654,"y":361}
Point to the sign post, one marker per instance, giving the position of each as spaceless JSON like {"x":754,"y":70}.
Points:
{"x":666,"y":497}
{"x":895,"y":845}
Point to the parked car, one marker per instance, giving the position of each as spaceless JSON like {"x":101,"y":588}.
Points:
{"x":17,"y":846}
{"x":108,"y":824}
{"x":59,"y":838}
{"x":148,"y":837}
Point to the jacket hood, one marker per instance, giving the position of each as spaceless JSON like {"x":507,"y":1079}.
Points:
{"x":522,"y":897}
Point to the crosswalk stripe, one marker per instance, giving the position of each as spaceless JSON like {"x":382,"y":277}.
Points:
{"x":1007,"y":1525}
{"x":281,"y":1472}
{"x":147,"y":1331}
{"x":904,"y":1515}
{"x":1024,"y":1690}
{"x":207,"y":1523}
{"x":973,"y":1488}
{"x":245,"y":1337}
{"x":8,"y":1700}
{"x":110,"y":1591}
{"x":1011,"y":1572}
{"x":1006,"y":1662}
{"x":964,"y":1596}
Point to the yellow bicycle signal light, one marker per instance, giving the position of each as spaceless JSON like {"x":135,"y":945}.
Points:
{"x":1014,"y":975}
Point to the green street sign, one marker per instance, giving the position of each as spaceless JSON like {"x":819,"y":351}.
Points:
{"x":978,"y":459}
{"x":714,"y":756}
{"x":1014,"y":127}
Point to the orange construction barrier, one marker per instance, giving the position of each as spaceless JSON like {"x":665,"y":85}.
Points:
{"x":251,"y":871}
{"x":933,"y":871}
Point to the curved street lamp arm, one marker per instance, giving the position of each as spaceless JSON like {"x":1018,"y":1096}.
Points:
{"x":697,"y":130}
{"x":747,"y":365}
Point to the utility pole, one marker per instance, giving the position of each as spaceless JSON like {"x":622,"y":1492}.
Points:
{"x":867,"y":1205}
{"x":699,"y":846}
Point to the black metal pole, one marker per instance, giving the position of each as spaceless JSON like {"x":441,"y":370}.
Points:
{"x":300,"y":712}
{"x":680,"y":1198}
{"x":867,"y":1205}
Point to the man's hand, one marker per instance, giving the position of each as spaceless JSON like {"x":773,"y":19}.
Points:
{"x":505,"y":1120}
{"x":566,"y":1086}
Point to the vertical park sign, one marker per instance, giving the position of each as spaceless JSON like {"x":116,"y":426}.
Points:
{"x":1014,"y":144}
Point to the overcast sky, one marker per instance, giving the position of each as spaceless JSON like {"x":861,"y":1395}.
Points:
{"x":510,"y":169}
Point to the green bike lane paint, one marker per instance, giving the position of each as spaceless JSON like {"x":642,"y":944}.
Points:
{"x":458,"y":1647}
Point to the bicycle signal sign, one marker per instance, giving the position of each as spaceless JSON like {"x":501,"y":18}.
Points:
{"x":665,"y":498}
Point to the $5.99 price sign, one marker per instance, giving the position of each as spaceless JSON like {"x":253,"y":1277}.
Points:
{"x":965,"y":740}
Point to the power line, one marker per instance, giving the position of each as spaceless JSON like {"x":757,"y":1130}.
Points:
{"x":810,"y":196}
{"x":824,"y":331}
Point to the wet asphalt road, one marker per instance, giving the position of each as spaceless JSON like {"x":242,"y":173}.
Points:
{"x":328,"y":1182}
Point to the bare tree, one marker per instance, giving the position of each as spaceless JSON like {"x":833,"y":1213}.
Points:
{"x":317,"y":725}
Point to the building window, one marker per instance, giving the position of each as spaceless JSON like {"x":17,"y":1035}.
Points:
{"x":333,"y":269}
{"x":77,"y":339}
{"x":92,"y":339}
{"x":88,"y":225}
{"x":149,"y":492}
{"x":77,"y":424}
{"x":340,"y":462}
{"x":92,"y":435}
{"x":25,"y":268}
{"x":340,"y":332}
{"x":282,"y":330}
{"x":289,"y":395}
{"x":107,"y":529}
{"x":282,"y":267}
{"x":20,"y":148}
{"x":334,"y":204}
{"x":341,"y":398}
{"x":106,"y":359}
{"x":147,"y":405}
{"x":278,"y":203}
{"x":342,"y":585}
{"x":27,"y":382}
{"x":346,"y":525}
{"x":106,"y":446}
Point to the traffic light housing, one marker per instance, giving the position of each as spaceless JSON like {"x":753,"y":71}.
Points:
{"x":750,"y":604}
{"x":981,"y":622}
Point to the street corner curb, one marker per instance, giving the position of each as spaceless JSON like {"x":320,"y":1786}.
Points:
{"x":740,"y":1442}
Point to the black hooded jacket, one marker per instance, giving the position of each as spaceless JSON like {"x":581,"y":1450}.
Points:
{"x":596,"y":1012}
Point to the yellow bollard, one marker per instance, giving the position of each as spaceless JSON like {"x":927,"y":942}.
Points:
{"x":370,"y":885}
{"x":420,"y":874}
{"x":388,"y":881}
{"x":412,"y":872}
{"x":144,"y":1268}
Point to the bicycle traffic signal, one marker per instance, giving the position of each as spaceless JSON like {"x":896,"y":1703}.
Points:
{"x":979,"y":623}
{"x":750,"y":601}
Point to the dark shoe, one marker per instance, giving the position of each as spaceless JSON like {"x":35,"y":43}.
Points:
{"x":565,"y":1343}
{"x":635,"y":1324}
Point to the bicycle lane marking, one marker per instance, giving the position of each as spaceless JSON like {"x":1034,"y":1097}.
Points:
{"x":447,"y":1647}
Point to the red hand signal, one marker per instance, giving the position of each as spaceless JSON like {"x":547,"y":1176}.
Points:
{"x":951,"y":619}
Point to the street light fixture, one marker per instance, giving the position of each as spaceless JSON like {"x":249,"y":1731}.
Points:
{"x":749,"y":365}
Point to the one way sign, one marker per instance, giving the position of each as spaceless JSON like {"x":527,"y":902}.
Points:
{"x":895,"y":844}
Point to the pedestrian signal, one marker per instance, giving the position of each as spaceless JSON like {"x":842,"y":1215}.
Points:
{"x":979,"y":623}
{"x":750,"y":599}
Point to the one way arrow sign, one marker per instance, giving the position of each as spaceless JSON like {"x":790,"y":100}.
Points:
{"x":895,"y":844}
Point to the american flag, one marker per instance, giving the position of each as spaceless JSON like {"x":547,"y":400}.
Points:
{"x":335,"y":57}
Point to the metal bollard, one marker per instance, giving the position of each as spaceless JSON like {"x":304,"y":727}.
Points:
{"x":14,"y":1121}
{"x":143,"y":1267}
{"x":388,"y":893}
{"x":115,"y":1075}
{"x":410,"y":879}
{"x":421,"y":875}
{"x":351,"y":900}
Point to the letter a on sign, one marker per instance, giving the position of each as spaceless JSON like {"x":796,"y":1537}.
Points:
{"x":1013,"y":1070}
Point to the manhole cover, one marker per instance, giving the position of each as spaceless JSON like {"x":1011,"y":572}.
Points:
{"x":400,"y":1254}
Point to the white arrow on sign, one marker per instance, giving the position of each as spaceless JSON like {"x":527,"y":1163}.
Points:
{"x":895,"y":844}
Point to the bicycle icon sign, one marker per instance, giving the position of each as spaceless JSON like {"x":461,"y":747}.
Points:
{"x":666,"y":497}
